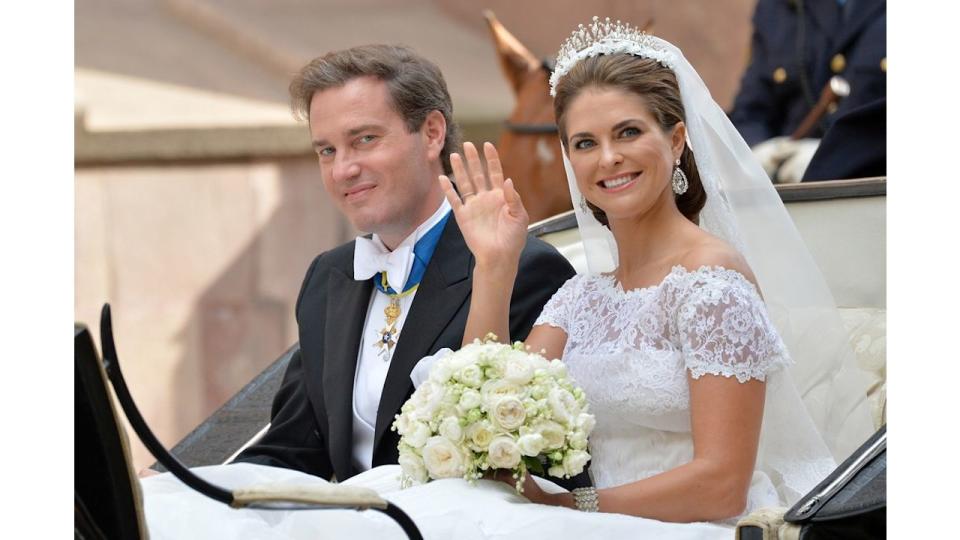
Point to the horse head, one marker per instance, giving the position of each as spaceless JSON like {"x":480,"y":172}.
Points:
{"x":529,"y":146}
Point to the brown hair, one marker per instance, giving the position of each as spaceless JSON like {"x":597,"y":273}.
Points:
{"x":416,"y":85}
{"x":658,"y":87}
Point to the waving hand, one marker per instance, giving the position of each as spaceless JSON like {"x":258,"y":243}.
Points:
{"x":487,"y":208}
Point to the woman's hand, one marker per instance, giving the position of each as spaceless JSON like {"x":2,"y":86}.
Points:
{"x":531,"y":490}
{"x":487,"y":209}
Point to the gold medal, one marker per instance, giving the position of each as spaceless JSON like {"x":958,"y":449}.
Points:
{"x":392,"y":311}
{"x":387,"y":336}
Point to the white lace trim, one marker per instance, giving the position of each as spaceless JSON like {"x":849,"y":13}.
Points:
{"x":713,"y":316}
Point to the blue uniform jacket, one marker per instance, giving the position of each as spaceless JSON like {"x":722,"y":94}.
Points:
{"x":797,"y":46}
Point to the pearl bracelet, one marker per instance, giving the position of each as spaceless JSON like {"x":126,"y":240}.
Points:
{"x":586,"y":499}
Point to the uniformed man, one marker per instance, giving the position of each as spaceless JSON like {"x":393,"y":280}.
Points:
{"x":798,"y":46}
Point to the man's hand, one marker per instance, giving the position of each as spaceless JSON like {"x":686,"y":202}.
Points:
{"x":771,"y":153}
{"x":784,"y":159}
{"x":792,"y":169}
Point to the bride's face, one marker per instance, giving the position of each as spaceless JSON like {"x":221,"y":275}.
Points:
{"x":622,"y":158}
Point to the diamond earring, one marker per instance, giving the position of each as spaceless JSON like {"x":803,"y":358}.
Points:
{"x":680,"y":183}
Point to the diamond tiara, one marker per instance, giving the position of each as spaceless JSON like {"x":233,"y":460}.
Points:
{"x":607,"y":38}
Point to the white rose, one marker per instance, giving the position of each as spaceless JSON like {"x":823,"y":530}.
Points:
{"x":469,"y":399}
{"x":450,"y":428}
{"x":493,"y":368}
{"x":490,"y":351}
{"x":431,"y":397}
{"x":451,"y":396}
{"x":503,"y":453}
{"x":517,"y":369}
{"x":470,"y":375}
{"x":412,"y":466}
{"x":557,"y":369}
{"x":557,"y":471}
{"x":441,"y":371}
{"x":586,"y":422}
{"x":442,"y":458}
{"x":459,"y":360}
{"x":575,"y":461}
{"x":417,"y":435}
{"x":578,"y":440}
{"x":539,"y":391}
{"x":479,"y":435}
{"x":563,"y":405}
{"x":553,"y":434}
{"x":531,"y":444}
{"x":509,"y":413}
{"x":538,"y":362}
{"x":531,"y":406}
{"x":402,"y":423}
{"x":492,"y":391}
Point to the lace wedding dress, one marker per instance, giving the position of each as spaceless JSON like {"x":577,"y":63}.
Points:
{"x":631,"y":352}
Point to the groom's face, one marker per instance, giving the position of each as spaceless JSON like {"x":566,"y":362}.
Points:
{"x":382,"y":176}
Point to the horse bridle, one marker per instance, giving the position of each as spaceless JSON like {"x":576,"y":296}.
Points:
{"x":534,"y":129}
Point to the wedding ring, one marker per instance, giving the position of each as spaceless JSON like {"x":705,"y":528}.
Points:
{"x":465,"y":195}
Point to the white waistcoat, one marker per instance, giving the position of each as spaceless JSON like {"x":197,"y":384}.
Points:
{"x":371,"y":366}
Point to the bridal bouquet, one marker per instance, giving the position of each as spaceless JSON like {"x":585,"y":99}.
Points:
{"x":493,"y":406}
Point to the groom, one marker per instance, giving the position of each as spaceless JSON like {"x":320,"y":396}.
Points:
{"x":381,"y":122}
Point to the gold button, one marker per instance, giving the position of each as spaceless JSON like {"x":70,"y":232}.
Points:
{"x":779,"y":75}
{"x":837,"y":63}
{"x":883,"y":65}
{"x":831,"y":108}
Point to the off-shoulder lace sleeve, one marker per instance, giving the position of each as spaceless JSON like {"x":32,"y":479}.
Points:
{"x":559,"y":310}
{"x":723,"y":328}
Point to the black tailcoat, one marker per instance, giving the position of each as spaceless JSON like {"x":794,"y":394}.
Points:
{"x":312,"y":418}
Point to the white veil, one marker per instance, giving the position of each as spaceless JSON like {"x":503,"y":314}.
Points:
{"x":744,"y":209}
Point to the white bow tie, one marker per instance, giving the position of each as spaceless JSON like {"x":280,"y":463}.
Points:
{"x":369,"y":258}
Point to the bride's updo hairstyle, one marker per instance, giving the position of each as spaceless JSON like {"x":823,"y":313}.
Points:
{"x":657,"y":85}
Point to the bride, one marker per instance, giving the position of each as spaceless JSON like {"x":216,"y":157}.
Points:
{"x":695,"y":393}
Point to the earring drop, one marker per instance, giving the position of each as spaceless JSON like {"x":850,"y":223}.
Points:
{"x":680,"y":183}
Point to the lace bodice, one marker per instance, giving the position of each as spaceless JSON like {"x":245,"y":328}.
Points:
{"x":631,"y":352}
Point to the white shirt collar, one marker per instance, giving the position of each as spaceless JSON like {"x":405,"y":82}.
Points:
{"x":421,"y":230}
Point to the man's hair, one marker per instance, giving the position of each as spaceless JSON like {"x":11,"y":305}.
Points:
{"x":415,"y":84}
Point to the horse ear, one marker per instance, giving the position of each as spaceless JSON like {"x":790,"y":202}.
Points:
{"x":515,"y":59}
{"x":648,"y":27}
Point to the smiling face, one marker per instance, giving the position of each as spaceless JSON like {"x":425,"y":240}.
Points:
{"x":622,"y":157}
{"x":380,"y":175}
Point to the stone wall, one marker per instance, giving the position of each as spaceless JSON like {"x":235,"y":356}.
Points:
{"x":202,"y":263}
